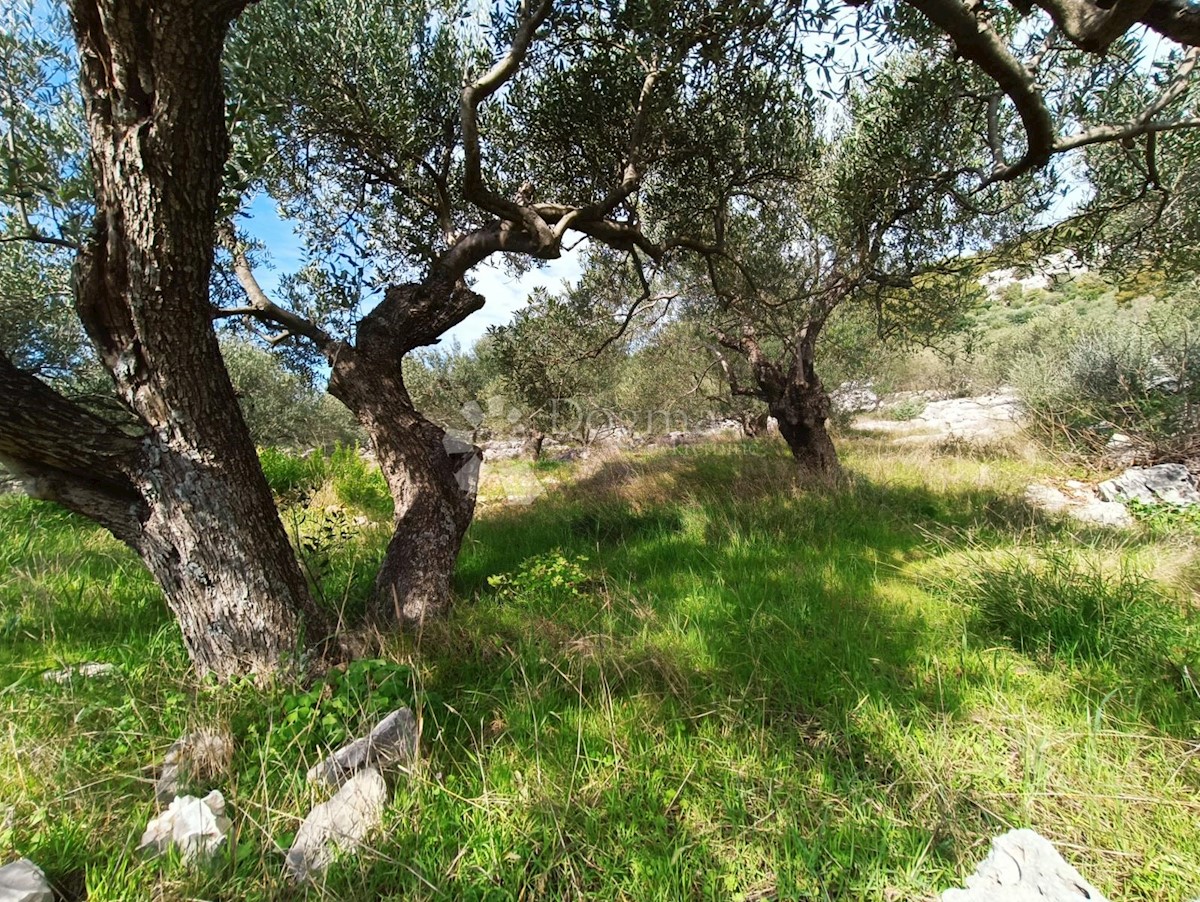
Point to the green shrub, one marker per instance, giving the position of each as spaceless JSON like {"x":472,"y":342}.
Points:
{"x":292,"y":476}
{"x":359,"y":483}
{"x":551,"y":577}
{"x":908,"y":409}
{"x":282,"y":407}
{"x":347,"y":701}
{"x":1136,"y":376}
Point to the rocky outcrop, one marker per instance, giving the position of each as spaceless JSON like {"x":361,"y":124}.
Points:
{"x":1161,"y":484}
{"x":854,"y":397}
{"x":985,"y":417}
{"x":1079,"y":502}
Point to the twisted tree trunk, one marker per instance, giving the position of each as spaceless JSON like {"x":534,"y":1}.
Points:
{"x":802,"y":411}
{"x":432,"y":475}
{"x":797,"y":399}
{"x":186,"y":492}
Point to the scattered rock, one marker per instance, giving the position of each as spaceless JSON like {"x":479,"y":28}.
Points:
{"x":1046,"y":498}
{"x":854,"y":397}
{"x":197,"y":827}
{"x":990,"y":416}
{"x":502,"y":450}
{"x":23,"y":881}
{"x":339,"y":825}
{"x":91,"y":670}
{"x":678,"y":439}
{"x":1161,"y":484}
{"x":393,"y":743}
{"x":1103,"y":513}
{"x":199,"y":755}
{"x":1023,"y":866}
{"x":1081,"y":504}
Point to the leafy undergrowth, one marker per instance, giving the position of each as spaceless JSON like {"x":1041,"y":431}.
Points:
{"x":670,"y":676}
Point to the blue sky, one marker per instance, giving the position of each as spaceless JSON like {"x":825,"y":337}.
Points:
{"x":504,"y":293}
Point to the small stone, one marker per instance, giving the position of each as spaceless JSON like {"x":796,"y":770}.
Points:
{"x":197,"y":827}
{"x":1024,"y":866}
{"x":339,"y":825}
{"x":392,"y":743}
{"x":1046,"y":498}
{"x":90,"y":670}
{"x":1102,"y":513}
{"x":200,"y":755}
{"x":23,"y":881}
{"x":1161,"y":484}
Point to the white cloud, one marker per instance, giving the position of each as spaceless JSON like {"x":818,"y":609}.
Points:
{"x":505,"y":294}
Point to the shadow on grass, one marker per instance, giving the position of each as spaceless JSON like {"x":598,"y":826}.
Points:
{"x":744,"y":641}
{"x":69,"y":590}
{"x":747,"y":697}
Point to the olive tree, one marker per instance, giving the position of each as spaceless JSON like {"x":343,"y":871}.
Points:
{"x":555,"y":365}
{"x":177,"y":479}
{"x":576,"y":121}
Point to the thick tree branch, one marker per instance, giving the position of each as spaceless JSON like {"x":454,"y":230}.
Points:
{"x":476,"y":93}
{"x":1145,"y":123}
{"x":66,"y":454}
{"x":979,"y":43}
{"x":1178,"y":20}
{"x":1093,"y":27}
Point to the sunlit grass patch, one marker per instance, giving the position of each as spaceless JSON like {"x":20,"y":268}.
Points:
{"x":674,"y":674}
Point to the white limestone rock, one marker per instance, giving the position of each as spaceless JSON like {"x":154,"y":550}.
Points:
{"x":1161,"y":484}
{"x":339,"y":825}
{"x":1080,"y":503}
{"x":392,"y":743}
{"x":23,"y":881}
{"x":854,"y":397}
{"x":1024,"y":866}
{"x":91,"y":670}
{"x":197,"y":827}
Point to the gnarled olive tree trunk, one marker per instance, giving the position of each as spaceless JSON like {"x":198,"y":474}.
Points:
{"x":432,"y":475}
{"x":802,"y":410}
{"x":186,"y":491}
{"x":798,"y":401}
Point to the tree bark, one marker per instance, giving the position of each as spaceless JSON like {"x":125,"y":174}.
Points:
{"x":532,"y":446}
{"x":432,"y":475}
{"x":187,"y":493}
{"x":797,"y":399}
{"x":754,"y":425}
{"x":802,"y":412}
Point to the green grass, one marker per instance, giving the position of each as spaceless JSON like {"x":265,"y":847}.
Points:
{"x":673,"y":675}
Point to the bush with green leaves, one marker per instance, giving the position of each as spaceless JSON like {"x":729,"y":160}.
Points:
{"x":292,"y":476}
{"x":1138,"y":375}
{"x":548,"y":577}
{"x":282,"y":407}
{"x":347,"y":702}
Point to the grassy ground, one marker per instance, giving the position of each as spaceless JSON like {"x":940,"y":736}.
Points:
{"x":671,"y":675}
